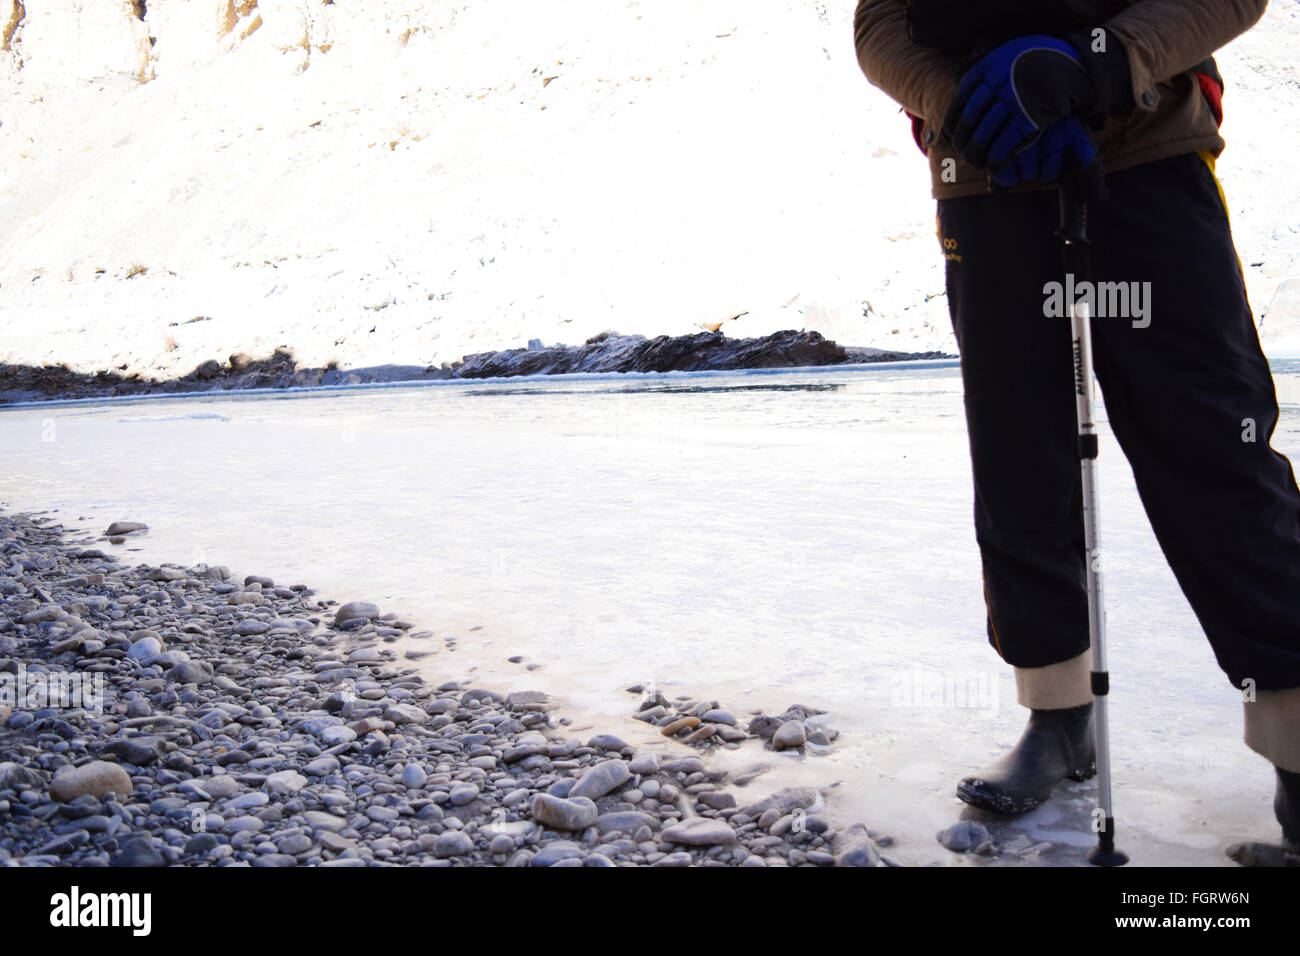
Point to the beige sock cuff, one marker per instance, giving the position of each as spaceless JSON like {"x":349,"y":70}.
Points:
{"x":1056,"y":686}
{"x":1273,"y":726}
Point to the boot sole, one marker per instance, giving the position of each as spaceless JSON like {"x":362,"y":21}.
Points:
{"x":995,"y":802}
{"x":1086,"y":773}
{"x":973,"y":792}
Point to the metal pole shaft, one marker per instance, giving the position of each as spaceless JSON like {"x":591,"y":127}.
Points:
{"x":1073,"y":233}
{"x":1080,"y":326}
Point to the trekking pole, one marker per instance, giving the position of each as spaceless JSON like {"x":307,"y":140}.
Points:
{"x":1073,"y":234}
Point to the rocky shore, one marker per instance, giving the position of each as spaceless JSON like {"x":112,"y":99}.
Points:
{"x":166,"y":715}
{"x":607,"y":352}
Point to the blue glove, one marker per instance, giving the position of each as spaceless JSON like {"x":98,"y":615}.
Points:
{"x":1013,"y":93}
{"x":1064,"y":148}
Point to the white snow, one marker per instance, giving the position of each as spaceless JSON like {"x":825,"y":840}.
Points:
{"x":408,"y":182}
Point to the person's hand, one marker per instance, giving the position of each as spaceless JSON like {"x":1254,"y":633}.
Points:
{"x":1010,"y":95}
{"x":1063,"y":149}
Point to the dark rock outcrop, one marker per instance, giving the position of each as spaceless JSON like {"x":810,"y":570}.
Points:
{"x":607,"y":352}
{"x":663,"y":353}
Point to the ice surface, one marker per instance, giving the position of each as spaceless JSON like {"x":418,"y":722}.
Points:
{"x":765,"y":539}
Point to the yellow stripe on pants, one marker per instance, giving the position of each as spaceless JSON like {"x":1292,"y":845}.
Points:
{"x":1209,"y":160}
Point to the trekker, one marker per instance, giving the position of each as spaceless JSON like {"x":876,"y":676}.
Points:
{"x":1006,"y":97}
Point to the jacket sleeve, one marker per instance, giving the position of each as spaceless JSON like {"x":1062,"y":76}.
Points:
{"x":920,"y":79}
{"x":1166,"y":37}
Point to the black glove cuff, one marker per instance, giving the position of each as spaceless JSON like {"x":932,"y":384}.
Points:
{"x":1109,"y":70}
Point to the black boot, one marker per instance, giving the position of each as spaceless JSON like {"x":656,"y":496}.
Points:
{"x":1056,"y":744}
{"x":1286,"y":805}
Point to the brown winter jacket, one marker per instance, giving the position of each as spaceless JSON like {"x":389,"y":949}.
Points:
{"x":1163,"y":38}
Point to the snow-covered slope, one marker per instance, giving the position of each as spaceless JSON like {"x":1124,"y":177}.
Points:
{"x":410,"y":181}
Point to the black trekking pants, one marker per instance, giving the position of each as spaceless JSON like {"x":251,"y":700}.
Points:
{"x":1186,"y":389}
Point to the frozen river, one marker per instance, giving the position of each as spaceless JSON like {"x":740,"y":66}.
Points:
{"x":762,"y":538}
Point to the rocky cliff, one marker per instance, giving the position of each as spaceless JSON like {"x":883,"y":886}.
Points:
{"x":402,"y":181}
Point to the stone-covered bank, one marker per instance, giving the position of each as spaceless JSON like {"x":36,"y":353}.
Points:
{"x":247,"y":723}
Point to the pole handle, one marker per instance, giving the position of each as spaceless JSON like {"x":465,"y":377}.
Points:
{"x":1073,"y":226}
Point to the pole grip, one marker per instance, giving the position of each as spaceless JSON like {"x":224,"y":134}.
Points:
{"x":1074,"y":210}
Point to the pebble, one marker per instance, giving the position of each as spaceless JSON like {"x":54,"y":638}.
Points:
{"x":144,"y":649}
{"x":683,"y":765}
{"x":98,"y":778}
{"x":243,"y":825}
{"x":854,"y":846}
{"x":285,"y":782}
{"x":463,"y":793}
{"x":644,"y":762}
{"x":320,"y":820}
{"x":561,"y":813}
{"x":717,"y":800}
{"x":294,"y":845}
{"x":219,"y":786}
{"x":321,"y":767}
{"x":555,"y":852}
{"x":137,"y":750}
{"x":701,"y":733}
{"x":200,"y":844}
{"x":247,"y":801}
{"x":405,"y":714}
{"x":700,"y":831}
{"x":125,"y":527}
{"x":784,"y":800}
{"x":789,"y":735}
{"x":601,"y":779}
{"x":139,"y":851}
{"x":329,"y":840}
{"x":332,"y":736}
{"x":190,"y":672}
{"x":678,"y":725}
{"x":965,"y":836}
{"x":354,"y":610}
